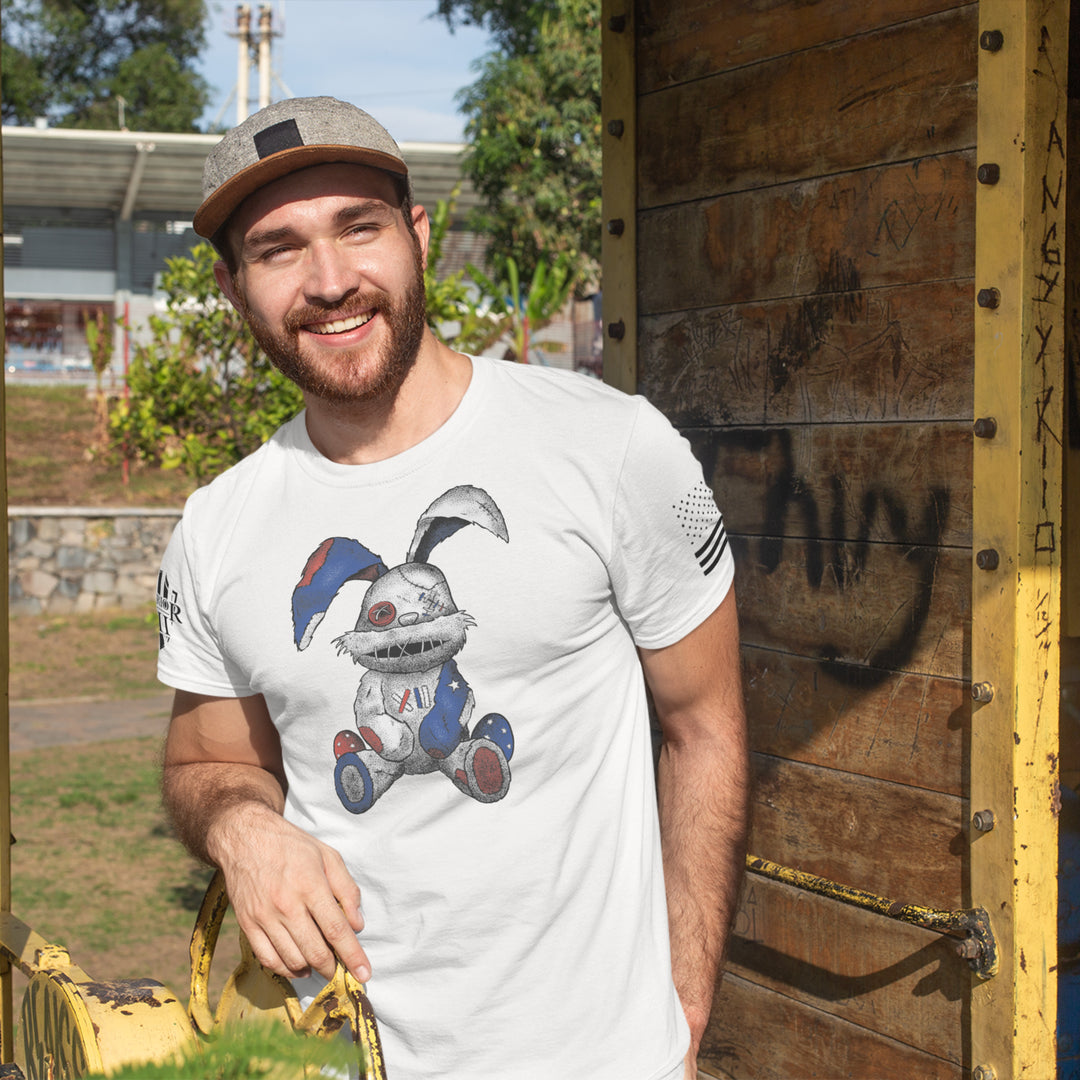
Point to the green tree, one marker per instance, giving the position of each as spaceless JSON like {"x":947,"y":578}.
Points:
{"x":71,"y":60}
{"x":201,"y":393}
{"x":99,"y":340}
{"x":533,"y":129}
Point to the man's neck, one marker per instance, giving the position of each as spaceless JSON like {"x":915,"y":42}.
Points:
{"x":362,"y":433}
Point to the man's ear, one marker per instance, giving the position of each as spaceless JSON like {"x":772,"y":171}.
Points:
{"x":225,"y":284}
{"x":422,"y":225}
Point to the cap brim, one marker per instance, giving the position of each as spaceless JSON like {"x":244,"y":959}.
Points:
{"x":221,"y":202}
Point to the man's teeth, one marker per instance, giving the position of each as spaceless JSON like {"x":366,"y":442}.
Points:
{"x":341,"y":325}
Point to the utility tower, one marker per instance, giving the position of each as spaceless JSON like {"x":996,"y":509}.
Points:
{"x":252,"y":42}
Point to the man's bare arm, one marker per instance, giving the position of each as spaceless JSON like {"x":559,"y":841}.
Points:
{"x":224,"y":787}
{"x":703,"y":790}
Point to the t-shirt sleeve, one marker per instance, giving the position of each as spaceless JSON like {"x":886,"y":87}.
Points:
{"x":671,"y":563}
{"x":190,"y":656}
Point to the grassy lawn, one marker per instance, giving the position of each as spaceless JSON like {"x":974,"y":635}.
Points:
{"x":96,"y":867}
{"x":99,"y":654}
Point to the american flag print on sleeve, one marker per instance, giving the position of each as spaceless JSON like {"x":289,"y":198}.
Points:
{"x":703,"y":525}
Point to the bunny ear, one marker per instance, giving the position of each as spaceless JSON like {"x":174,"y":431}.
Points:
{"x":453,"y":510}
{"x":329,"y":566}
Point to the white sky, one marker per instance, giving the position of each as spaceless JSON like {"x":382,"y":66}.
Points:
{"x":387,"y":56}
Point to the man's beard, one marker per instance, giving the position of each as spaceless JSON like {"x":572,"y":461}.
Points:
{"x":352,"y":376}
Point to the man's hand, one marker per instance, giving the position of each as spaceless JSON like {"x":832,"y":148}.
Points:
{"x":292,"y":895}
{"x":224,"y":788}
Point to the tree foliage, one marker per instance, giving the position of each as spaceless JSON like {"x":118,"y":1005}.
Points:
{"x":201,"y":393}
{"x":72,"y":60}
{"x":533,"y":128}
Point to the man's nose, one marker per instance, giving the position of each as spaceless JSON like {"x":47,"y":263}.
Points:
{"x":331,"y":274}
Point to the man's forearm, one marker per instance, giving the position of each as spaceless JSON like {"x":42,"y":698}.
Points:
{"x":703,"y":813}
{"x":202,"y":796}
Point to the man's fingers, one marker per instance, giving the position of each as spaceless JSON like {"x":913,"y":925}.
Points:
{"x":340,"y":933}
{"x":268,"y":955}
{"x":344,"y":888}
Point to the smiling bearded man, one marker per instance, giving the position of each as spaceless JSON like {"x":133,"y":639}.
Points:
{"x":411,"y":638}
{"x":347,"y":380}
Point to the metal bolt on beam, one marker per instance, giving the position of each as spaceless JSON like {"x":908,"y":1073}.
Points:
{"x":988,"y":173}
{"x":616,"y":226}
{"x":616,"y":128}
{"x":968,"y":949}
{"x":985,"y":427}
{"x":617,"y":23}
{"x":982,"y":691}
{"x":617,"y":330}
{"x":991,"y":40}
{"x":983,"y":1072}
{"x":987,"y":559}
{"x":983,"y":820}
{"x":988,"y":298}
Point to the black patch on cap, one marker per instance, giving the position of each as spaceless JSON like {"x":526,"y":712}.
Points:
{"x":277,"y":137}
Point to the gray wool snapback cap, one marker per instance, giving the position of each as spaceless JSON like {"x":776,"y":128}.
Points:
{"x":282,"y":138}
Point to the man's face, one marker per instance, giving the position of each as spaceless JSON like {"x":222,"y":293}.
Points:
{"x":330,"y":277}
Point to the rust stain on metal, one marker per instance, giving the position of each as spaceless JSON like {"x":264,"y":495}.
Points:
{"x":123,"y":993}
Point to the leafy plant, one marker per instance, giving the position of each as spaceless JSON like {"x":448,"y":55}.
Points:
{"x":521,"y":312}
{"x":202,"y":394}
{"x":457,"y":313}
{"x":99,"y":341}
{"x":248,"y":1051}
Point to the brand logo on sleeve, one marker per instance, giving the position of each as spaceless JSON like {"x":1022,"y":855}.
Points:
{"x":168,"y":609}
{"x":703,"y":526}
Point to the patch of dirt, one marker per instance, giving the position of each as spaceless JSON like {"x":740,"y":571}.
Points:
{"x":56,"y":455}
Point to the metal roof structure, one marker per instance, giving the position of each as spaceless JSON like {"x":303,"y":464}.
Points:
{"x":149,"y":174}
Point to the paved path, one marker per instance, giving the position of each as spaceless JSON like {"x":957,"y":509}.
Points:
{"x":77,"y":720}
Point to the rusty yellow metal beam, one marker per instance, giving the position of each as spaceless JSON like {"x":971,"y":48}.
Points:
{"x":1020,"y":319}
{"x":618,"y":244}
{"x":7,"y":1008}
{"x":972,"y":925}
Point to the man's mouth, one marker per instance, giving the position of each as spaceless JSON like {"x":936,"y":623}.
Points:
{"x":339,"y":326}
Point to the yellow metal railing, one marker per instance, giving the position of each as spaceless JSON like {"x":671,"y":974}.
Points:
{"x":971,"y":926}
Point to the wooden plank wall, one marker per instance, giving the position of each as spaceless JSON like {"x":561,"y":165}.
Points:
{"x":805,"y":190}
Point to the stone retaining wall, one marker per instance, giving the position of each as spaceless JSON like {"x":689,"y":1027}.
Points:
{"x":71,"y":559}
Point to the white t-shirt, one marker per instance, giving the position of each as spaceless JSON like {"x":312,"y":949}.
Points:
{"x":491,"y":787}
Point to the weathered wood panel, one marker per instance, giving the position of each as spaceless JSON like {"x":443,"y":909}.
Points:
{"x":895,"y":979}
{"x":908,"y":729}
{"x":892,"y":225}
{"x":682,"y":40}
{"x":893,"y":483}
{"x":887,"y":98}
{"x":897,"y":841}
{"x":884,"y":354}
{"x":889,"y":607}
{"x":755,"y":1034}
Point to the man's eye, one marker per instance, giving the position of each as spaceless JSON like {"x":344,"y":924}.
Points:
{"x":274,"y":254}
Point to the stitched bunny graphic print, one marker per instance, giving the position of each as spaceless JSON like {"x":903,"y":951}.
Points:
{"x":413,"y":707}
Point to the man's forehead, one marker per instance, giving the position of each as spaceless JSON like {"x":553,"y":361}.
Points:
{"x":299,"y":191}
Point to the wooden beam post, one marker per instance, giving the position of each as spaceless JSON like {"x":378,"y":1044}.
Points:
{"x":618,"y":242}
{"x":1017,"y":537}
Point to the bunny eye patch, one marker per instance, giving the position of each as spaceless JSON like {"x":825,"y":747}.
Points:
{"x":382,"y":613}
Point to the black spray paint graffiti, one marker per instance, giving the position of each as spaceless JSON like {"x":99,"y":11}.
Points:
{"x":835,"y":557}
{"x":837,"y":293}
